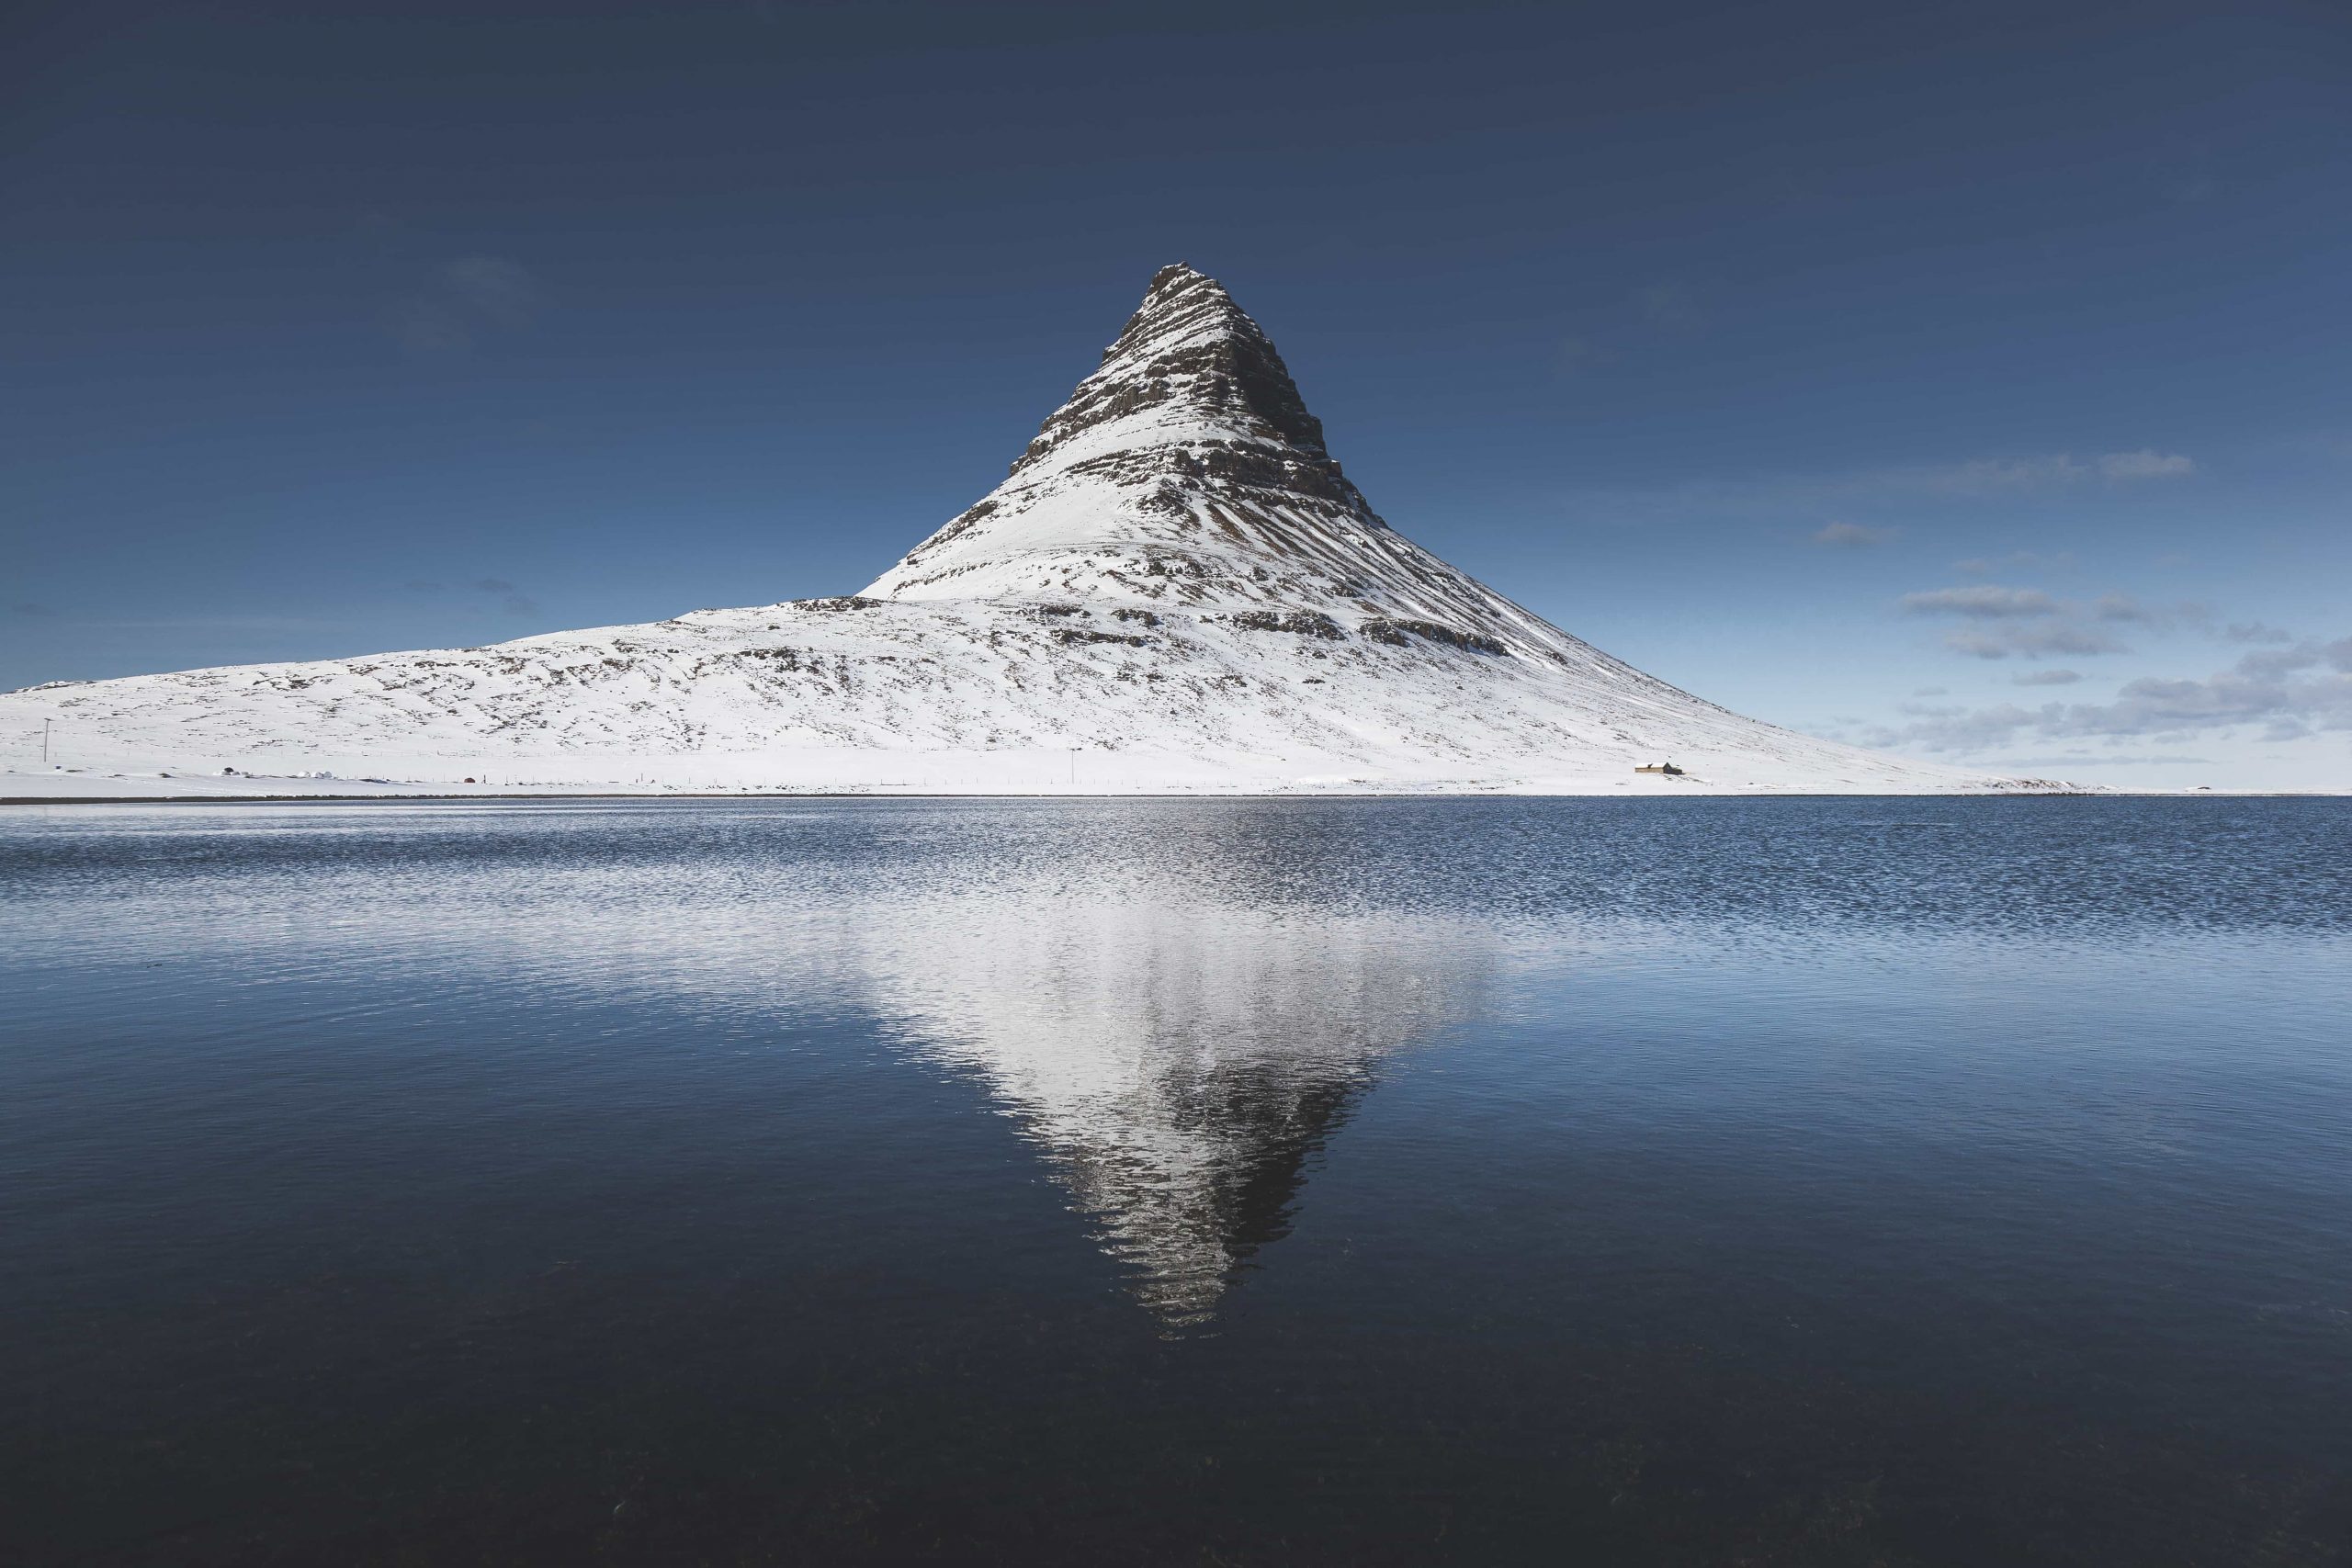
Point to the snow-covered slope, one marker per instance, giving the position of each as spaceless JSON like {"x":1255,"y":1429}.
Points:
{"x":1176,"y":588}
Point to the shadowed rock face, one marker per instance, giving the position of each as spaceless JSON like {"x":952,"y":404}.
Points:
{"x":1186,"y":470}
{"x":1188,"y":344}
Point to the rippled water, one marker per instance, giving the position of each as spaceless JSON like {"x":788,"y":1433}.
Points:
{"x":1959,"y":1182}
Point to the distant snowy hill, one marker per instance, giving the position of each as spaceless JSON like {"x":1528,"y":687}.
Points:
{"x":1176,"y":589}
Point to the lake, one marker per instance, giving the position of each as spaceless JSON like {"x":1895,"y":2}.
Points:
{"x":1842,"y":1181}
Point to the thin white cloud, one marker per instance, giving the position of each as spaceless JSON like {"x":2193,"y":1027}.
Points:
{"x":2307,"y":654}
{"x":2026,"y":560}
{"x":2033,"y":623}
{"x":2032,"y":639}
{"x":1989,"y":476}
{"x":2106,"y":759}
{"x":1984,"y":476}
{"x":2124,"y":607}
{"x":2254,"y":631}
{"x":1853,"y":536}
{"x":1881,"y":488}
{"x":2286,"y":696}
{"x":2147,"y":463}
{"x":1982,"y":601}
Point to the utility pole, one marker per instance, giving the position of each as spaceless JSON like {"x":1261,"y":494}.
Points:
{"x":44,"y":740}
{"x":1073,"y":767}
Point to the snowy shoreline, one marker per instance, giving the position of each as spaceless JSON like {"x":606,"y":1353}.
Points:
{"x":83,"y":788}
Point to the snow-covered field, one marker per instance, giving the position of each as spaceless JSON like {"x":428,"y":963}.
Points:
{"x":1176,"y":590}
{"x":943,"y":697}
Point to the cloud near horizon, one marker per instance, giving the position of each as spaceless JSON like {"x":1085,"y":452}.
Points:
{"x":2038,"y":639}
{"x":1983,"y":601}
{"x":2033,"y":623}
{"x":2031,"y":560}
{"x":1987,"y":476}
{"x":2124,"y":607}
{"x":2290,"y":694}
{"x":1853,"y":536}
{"x":1887,"y":486}
{"x":2144,"y":464}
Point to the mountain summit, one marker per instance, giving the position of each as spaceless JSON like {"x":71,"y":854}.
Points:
{"x":1187,"y":472}
{"x":1175,"y":588}
{"x":1121,"y":490}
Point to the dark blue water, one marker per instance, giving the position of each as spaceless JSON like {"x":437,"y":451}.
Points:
{"x":1924,"y":1182}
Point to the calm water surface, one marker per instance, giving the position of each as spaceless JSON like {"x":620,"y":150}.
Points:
{"x":1950,"y":1182}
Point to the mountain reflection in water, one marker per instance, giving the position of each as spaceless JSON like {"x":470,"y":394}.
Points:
{"x":1804,"y":1182}
{"x":1177,"y":1007}
{"x":1179,"y":1062}
{"x":1169,"y":1008}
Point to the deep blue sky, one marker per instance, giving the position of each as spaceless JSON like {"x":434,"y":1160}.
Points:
{"x":1869,"y":367}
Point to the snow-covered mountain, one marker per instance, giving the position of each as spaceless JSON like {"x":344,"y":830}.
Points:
{"x":1176,"y":589}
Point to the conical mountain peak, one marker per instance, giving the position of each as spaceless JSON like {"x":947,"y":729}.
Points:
{"x":1186,"y":472}
{"x":1188,"y":350}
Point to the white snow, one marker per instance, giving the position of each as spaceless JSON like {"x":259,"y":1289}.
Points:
{"x":1176,"y":590}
